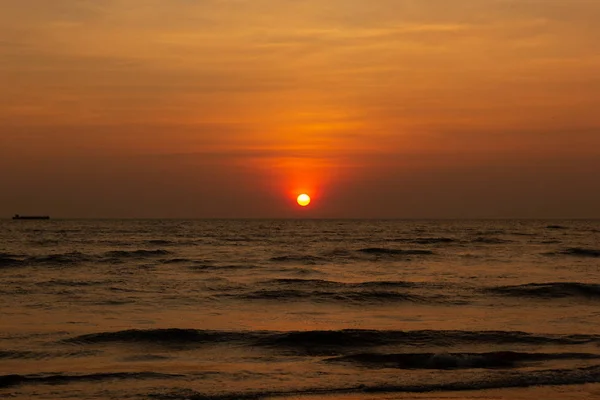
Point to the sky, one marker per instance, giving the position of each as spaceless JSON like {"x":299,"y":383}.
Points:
{"x":231,"y":108}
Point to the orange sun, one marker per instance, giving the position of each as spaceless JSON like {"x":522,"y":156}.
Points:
{"x":303,"y":200}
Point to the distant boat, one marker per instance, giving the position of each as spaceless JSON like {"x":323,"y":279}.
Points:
{"x":17,"y":216}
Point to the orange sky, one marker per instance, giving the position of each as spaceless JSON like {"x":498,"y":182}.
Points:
{"x":229,"y":108}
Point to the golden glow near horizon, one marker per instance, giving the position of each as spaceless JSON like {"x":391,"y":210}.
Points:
{"x":154,"y":105}
{"x":303,"y":200}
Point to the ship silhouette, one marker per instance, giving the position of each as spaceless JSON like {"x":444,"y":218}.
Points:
{"x":17,"y":216}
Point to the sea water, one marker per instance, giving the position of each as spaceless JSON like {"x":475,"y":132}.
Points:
{"x":253,"y":309}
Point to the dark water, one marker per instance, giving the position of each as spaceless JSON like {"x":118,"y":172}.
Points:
{"x":163,"y":309}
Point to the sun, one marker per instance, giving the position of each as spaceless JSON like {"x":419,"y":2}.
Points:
{"x":303,"y":200}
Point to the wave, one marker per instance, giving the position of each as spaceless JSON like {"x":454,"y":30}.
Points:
{"x":213,"y":267}
{"x":557,"y":227}
{"x":508,"y":379}
{"x":160,"y":242}
{"x":176,"y":261}
{"x":303,"y":282}
{"x":58,"y":259}
{"x":319,"y":283}
{"x":498,"y":359}
{"x":70,"y":283}
{"x":550,"y":290}
{"x":113,"y":302}
{"x":45,"y":242}
{"x":9,"y":260}
{"x":137,"y":253}
{"x":306,"y":259}
{"x":170,"y":336}
{"x":341,"y":339}
{"x":489,"y":232}
{"x":34,"y":355}
{"x":239,"y":239}
{"x":14,"y":380}
{"x":299,"y":271}
{"x":11,"y":354}
{"x":488,"y":240}
{"x":434,"y":240}
{"x":427,"y":240}
{"x":581,"y":252}
{"x":385,"y":251}
{"x":344,"y":296}
{"x":319,"y":290}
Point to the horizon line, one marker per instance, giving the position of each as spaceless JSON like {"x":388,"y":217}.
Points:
{"x":324,"y":218}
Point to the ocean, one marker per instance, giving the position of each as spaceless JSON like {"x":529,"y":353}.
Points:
{"x":299,"y":309}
